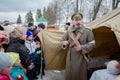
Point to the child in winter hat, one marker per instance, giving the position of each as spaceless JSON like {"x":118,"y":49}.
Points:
{"x":5,"y":66}
{"x":14,"y":57}
{"x":41,"y":25}
{"x":5,"y":61}
{"x":17,"y":68}
{"x":29,"y":33}
{"x":30,"y":24}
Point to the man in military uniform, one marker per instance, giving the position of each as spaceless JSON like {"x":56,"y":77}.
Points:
{"x":79,"y":41}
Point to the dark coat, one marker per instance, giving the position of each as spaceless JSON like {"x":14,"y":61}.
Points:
{"x":40,"y":57}
{"x":18,"y":46}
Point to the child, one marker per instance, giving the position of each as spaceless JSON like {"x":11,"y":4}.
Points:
{"x":40,"y":59}
{"x":30,"y":44}
{"x":40,"y":53}
{"x":17,"y":68}
{"x":5,"y":66}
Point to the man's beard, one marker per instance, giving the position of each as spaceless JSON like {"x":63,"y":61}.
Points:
{"x":77,"y":25}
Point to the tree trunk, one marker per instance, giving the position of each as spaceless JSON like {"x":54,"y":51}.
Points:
{"x":115,"y":4}
{"x":96,"y":9}
{"x":76,"y":5}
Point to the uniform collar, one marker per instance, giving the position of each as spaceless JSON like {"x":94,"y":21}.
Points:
{"x":80,"y":29}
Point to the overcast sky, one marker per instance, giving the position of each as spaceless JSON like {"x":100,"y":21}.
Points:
{"x":9,"y":9}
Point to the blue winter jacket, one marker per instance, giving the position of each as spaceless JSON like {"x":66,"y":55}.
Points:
{"x":16,"y":70}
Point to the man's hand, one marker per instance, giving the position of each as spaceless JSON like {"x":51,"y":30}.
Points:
{"x":65,"y":43}
{"x":78,"y":47}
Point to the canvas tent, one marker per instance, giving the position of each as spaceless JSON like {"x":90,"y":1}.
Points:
{"x":107,"y":36}
{"x":107,"y":33}
{"x":55,"y":57}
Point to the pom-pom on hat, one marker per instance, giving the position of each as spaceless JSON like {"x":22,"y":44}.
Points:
{"x":41,"y":25}
{"x":5,"y":60}
{"x":14,"y":57}
{"x":29,"y":33}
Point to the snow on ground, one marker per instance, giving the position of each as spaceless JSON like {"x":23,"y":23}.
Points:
{"x":53,"y":75}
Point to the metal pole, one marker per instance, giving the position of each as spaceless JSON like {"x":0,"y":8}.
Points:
{"x":41,"y":77}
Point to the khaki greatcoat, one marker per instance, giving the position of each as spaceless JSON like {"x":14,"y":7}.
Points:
{"x":76,"y":65}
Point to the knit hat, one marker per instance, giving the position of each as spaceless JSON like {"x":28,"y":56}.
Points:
{"x":37,"y":42}
{"x":30,"y":24}
{"x":29,"y":33}
{"x":41,"y":25}
{"x":5,"y":60}
{"x":14,"y":56}
{"x":111,"y":69}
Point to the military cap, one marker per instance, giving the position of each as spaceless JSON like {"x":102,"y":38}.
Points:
{"x":77,"y":15}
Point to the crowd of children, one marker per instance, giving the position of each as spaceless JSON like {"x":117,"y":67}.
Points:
{"x":22,"y":57}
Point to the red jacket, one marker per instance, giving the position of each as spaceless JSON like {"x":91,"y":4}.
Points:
{"x":5,"y":77}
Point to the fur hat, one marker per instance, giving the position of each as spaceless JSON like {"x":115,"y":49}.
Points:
{"x":28,"y":33}
{"x":77,"y":15}
{"x":111,"y":67}
{"x":41,"y":25}
{"x":14,"y":57}
{"x":5,"y":60}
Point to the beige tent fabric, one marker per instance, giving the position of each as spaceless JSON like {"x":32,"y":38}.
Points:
{"x":111,"y":20}
{"x":55,"y":57}
{"x":106,"y":31}
{"x":107,"y":36}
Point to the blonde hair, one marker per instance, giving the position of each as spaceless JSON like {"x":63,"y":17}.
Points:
{"x":17,"y":33}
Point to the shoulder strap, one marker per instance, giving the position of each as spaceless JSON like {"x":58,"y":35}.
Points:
{"x":75,"y":39}
{"x":76,"y":42}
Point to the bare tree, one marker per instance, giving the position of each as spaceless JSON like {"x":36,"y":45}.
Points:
{"x":56,"y":5}
{"x":67,"y":9}
{"x":81,"y":1}
{"x":50,"y":15}
{"x":96,"y":8}
{"x":91,"y":9}
{"x":76,"y":5}
{"x":115,"y":4}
